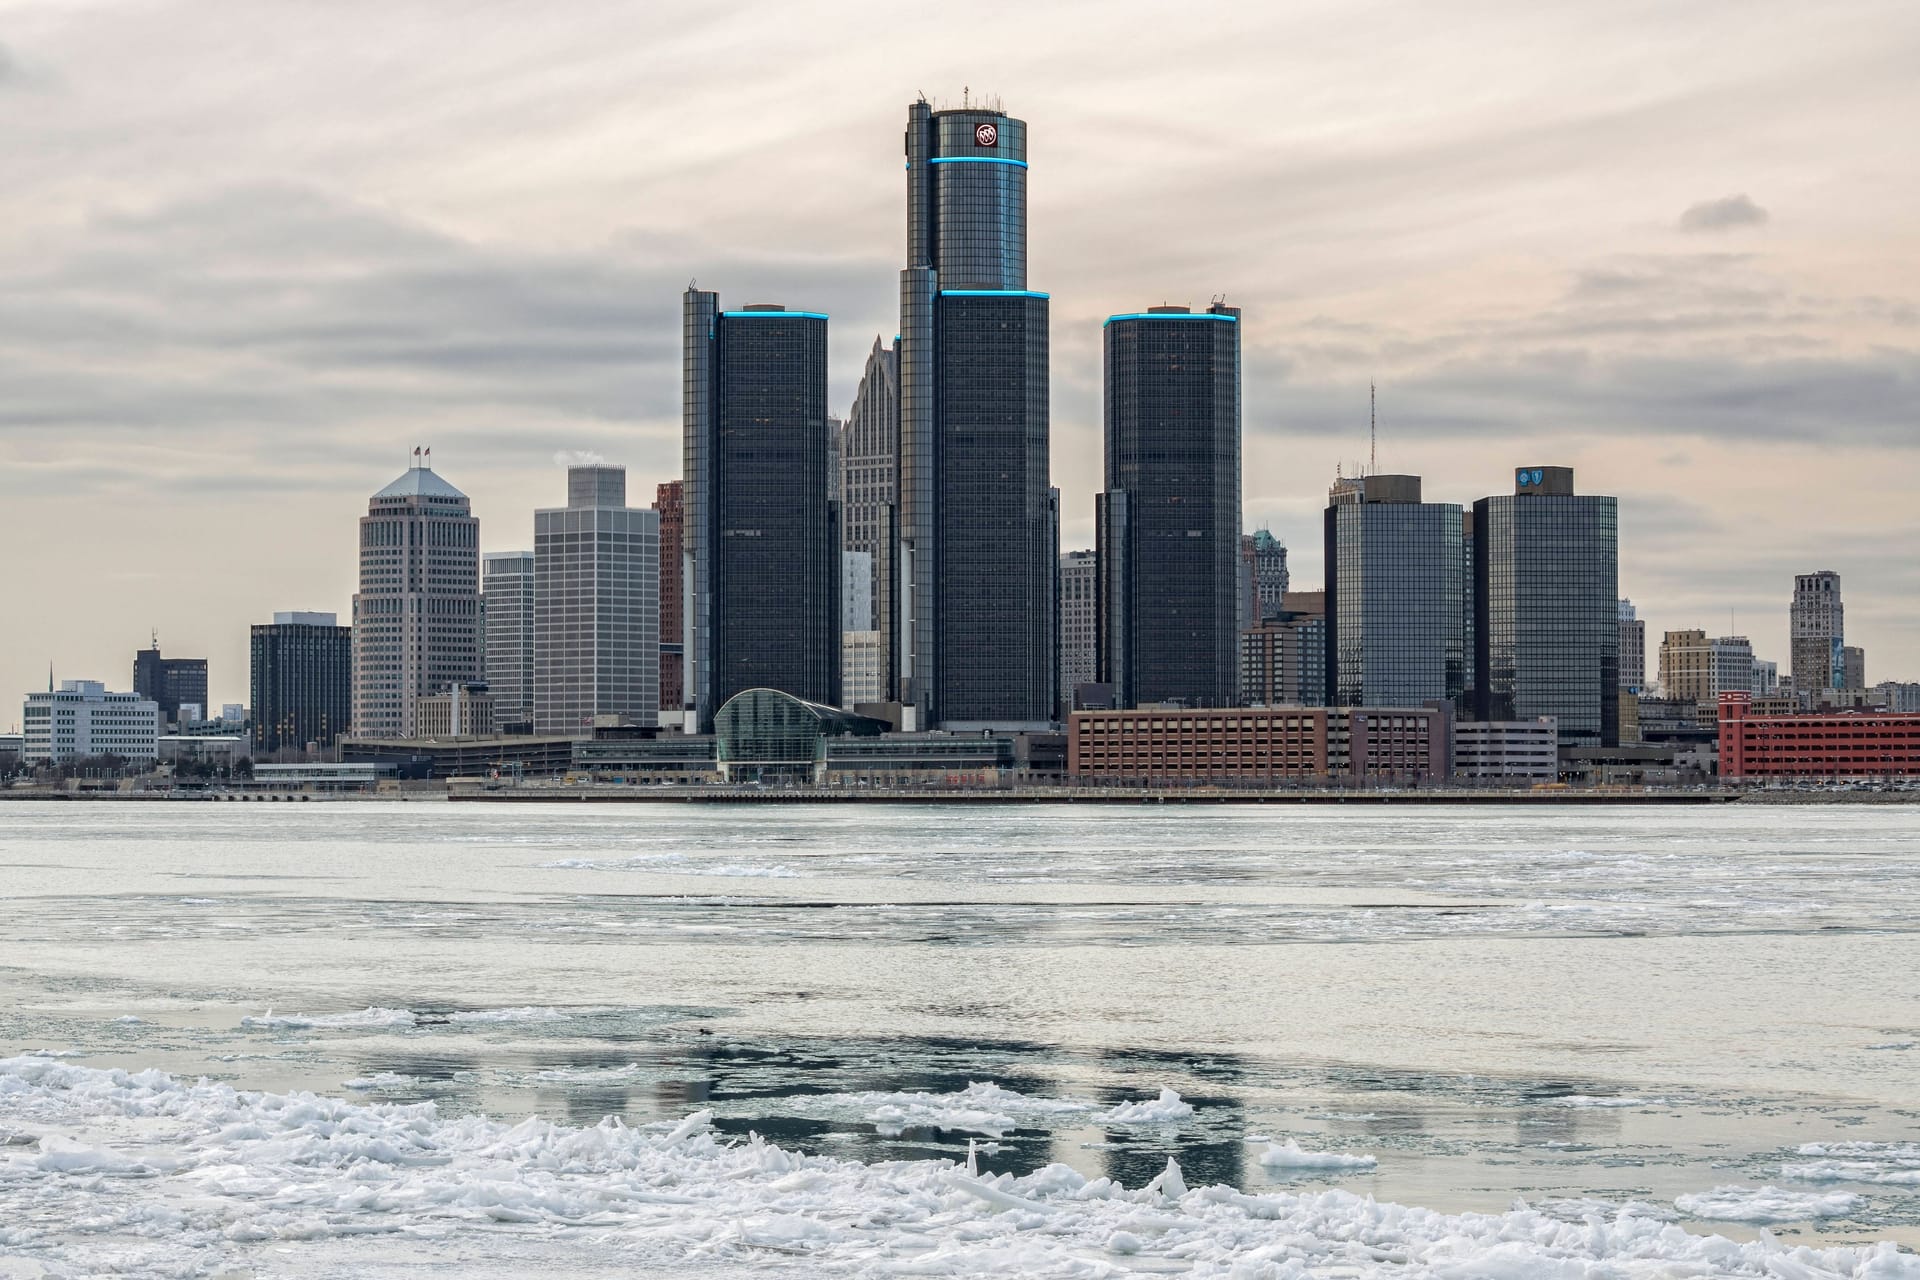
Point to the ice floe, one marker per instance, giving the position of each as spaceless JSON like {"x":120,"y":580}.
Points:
{"x":1895,"y":1164}
{"x":171,"y":1177}
{"x":676,"y":864}
{"x":1766,"y":1204}
{"x":371,"y":1016}
{"x":523,"y":1013}
{"x":982,"y":1107}
{"x":1290,"y":1155}
{"x":1168,"y":1108}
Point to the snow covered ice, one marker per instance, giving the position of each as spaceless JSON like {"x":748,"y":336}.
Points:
{"x":1289,"y":1155}
{"x":189,"y":1179}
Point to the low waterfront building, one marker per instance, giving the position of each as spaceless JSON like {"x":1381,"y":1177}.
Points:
{"x":82,"y":719}
{"x":1507,"y":750}
{"x":519,"y":756}
{"x":1817,"y":746}
{"x":322,"y":777}
{"x":222,"y":750}
{"x":1271,"y":744}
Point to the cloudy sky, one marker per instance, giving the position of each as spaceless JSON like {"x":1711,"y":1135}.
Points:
{"x":251,"y":253}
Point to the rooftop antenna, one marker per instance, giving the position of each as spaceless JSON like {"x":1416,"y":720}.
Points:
{"x":1373,"y":439}
{"x":966,"y":94}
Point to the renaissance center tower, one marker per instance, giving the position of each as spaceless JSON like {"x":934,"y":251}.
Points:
{"x":973,"y":615}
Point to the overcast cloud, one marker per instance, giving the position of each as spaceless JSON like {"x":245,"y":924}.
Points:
{"x":250,"y":255}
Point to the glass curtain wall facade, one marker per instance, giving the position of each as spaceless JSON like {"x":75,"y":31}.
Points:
{"x":762,"y":534}
{"x":169,"y":682}
{"x":301,"y":684}
{"x":1396,"y":595}
{"x":1172,"y":416}
{"x":596,"y":602}
{"x":1546,"y":606}
{"x":975,"y":614}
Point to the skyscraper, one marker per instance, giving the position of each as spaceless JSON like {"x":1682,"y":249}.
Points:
{"x":170,"y":682}
{"x":977,"y":553}
{"x":1169,"y":521}
{"x":1264,"y":563}
{"x":869,"y":459}
{"x":416,"y":617}
{"x":1633,"y":649}
{"x":1396,"y":592}
{"x":596,"y":607}
{"x":1818,"y":634}
{"x":1079,"y":624}
{"x":669,"y":499}
{"x":302,"y":681}
{"x":506,"y":591}
{"x":1547,"y":607}
{"x":763,"y":538}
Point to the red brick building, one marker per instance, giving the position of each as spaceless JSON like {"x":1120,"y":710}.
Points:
{"x":1820,"y":745}
{"x":1269,"y":744}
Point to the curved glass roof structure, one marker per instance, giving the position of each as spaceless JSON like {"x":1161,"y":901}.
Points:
{"x":764,"y":727}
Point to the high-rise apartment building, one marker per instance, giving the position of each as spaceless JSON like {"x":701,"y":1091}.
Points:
{"x":1818,"y":634}
{"x":506,"y":595}
{"x":596,"y":607}
{"x":975,"y":524}
{"x":1396,"y":595}
{"x":1633,"y":648}
{"x":170,"y":682}
{"x":416,"y":617}
{"x":301,"y":683}
{"x":1169,"y":520}
{"x":763,"y":538}
{"x":869,"y":460}
{"x":1079,"y":623}
{"x":669,"y":499}
{"x":1547,"y":607}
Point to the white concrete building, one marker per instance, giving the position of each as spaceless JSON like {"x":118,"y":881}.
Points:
{"x":856,"y":591}
{"x":596,"y":607}
{"x":506,"y":589}
{"x":1507,"y":750}
{"x":416,"y":617}
{"x":82,"y":719}
{"x":862,"y":667}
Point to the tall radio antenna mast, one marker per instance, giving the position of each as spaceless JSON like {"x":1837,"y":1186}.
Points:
{"x":1373,"y":439}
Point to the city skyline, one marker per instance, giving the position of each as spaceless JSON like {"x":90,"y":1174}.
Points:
{"x":1716,"y":337}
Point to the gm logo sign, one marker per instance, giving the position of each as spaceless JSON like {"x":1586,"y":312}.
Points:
{"x":986,"y":135}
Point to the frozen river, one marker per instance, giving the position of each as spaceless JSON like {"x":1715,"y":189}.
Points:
{"x":1688,"y":1040}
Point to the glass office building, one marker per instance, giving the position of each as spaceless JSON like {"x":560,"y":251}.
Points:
{"x":974,"y":618}
{"x":301,"y":683}
{"x":1396,"y":595}
{"x":763,"y":542}
{"x":506,"y":613}
{"x":1546,"y":607}
{"x":1169,"y":521}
